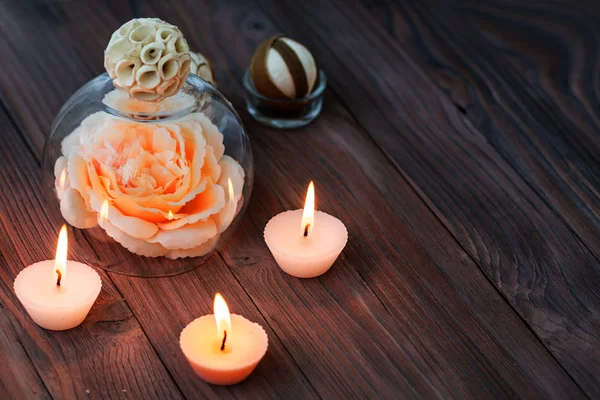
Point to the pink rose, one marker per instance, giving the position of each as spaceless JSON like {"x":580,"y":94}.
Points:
{"x":171,"y":191}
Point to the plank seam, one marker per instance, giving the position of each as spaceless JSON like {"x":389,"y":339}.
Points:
{"x":175,"y":383}
{"x":29,"y":358}
{"x":19,"y":127}
{"x":267,"y":322}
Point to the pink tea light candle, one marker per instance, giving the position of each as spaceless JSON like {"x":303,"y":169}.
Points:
{"x":305,"y":243}
{"x":224,"y":348}
{"x":58,"y":294}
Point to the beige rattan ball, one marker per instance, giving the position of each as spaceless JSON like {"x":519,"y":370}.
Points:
{"x":148,"y":58}
{"x":203,"y":68}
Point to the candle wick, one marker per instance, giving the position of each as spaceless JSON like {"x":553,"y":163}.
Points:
{"x":224,"y":339}
{"x":306,"y":230}
{"x":59,"y":277}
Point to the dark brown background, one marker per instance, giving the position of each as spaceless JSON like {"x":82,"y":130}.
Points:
{"x":459,"y":142}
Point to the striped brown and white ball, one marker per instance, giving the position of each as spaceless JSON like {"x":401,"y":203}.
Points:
{"x":283,"y":68}
{"x":202,"y":68}
{"x":148,"y":58}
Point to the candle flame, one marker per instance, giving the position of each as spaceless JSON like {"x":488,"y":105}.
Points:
{"x":308,"y":216}
{"x":104,"y":210}
{"x":222,"y":316}
{"x":60,"y":262}
{"x":62,"y":179}
{"x":231,"y":191}
{"x":170,"y":215}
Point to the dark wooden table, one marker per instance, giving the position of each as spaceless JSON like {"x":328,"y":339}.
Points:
{"x":460,"y":144}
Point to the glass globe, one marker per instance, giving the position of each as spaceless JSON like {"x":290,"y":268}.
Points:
{"x":148,"y":188}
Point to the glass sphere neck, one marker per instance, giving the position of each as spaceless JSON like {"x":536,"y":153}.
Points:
{"x":118,"y":103}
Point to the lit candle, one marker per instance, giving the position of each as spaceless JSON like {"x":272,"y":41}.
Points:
{"x":223,"y":349}
{"x":305,"y":243}
{"x":58,"y":294}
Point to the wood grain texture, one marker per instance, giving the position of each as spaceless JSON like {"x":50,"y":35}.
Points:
{"x":547,"y":52}
{"x":19,"y":380}
{"x":526,"y":75}
{"x":404,"y":313}
{"x":543,"y":269}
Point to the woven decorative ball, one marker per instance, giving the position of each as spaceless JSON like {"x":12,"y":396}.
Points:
{"x":203,"y":68}
{"x":283,"y":68}
{"x":148,"y":58}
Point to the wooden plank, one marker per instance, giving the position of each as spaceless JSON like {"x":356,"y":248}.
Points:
{"x":534,"y":76}
{"x":382,"y":310}
{"x":28,"y":25}
{"x":19,"y":380}
{"x":223,"y":24}
{"x":544,"y":271}
{"x":522,"y":73}
{"x":109,"y":353}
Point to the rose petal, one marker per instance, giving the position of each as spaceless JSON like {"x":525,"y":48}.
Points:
{"x":162,"y":141}
{"x":77,"y":170}
{"x":211,"y":133}
{"x":207,"y":203}
{"x":225,"y":216}
{"x":132,"y":226}
{"x":211,"y":167}
{"x":210,"y":172}
{"x":137,"y":246}
{"x":126,"y":205}
{"x":161,"y":175}
{"x":95,"y":186}
{"x":71,"y":142}
{"x":74,"y":210}
{"x":88,"y":131}
{"x":214,"y":138}
{"x":191,"y":132}
{"x":60,"y":168}
{"x":186,"y":237}
{"x":165,"y":202}
{"x":231,"y":169}
{"x":197,"y":251}
{"x":146,"y":208}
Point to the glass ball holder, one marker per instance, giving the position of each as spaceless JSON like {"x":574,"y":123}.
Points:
{"x":94,"y":245}
{"x":284,"y":113}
